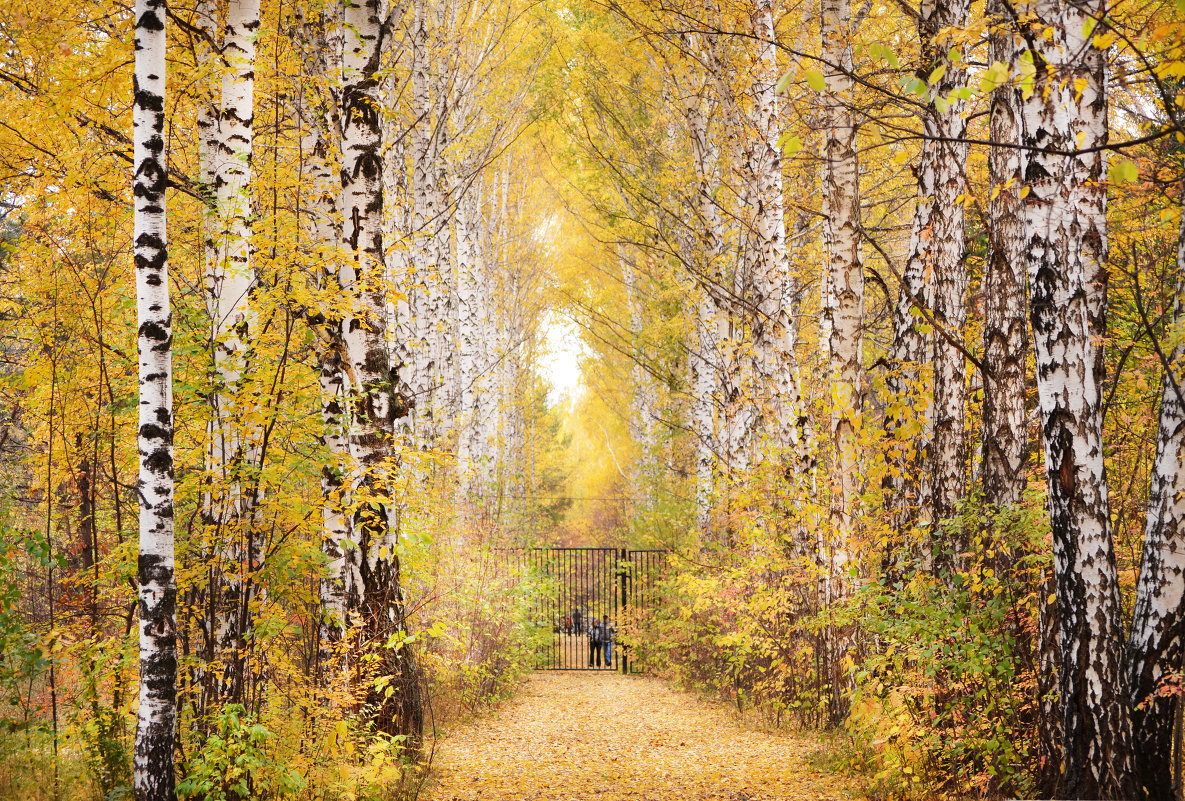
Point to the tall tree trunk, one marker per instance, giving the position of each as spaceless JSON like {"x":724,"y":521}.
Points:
{"x":320,"y":39}
{"x":234,"y":444}
{"x":941,"y":248}
{"x":704,"y":354}
{"x":934,"y":279}
{"x":155,"y":729}
{"x":841,"y":232}
{"x":845,"y":290}
{"x":1004,"y":332}
{"x":470,"y":286}
{"x":704,"y":383}
{"x":1158,"y":620}
{"x":424,"y":295}
{"x":775,"y":329}
{"x":1065,"y":217}
{"x":371,"y":571}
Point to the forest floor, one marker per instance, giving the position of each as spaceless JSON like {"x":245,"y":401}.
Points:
{"x":569,"y":736}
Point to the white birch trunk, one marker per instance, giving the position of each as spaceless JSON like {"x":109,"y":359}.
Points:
{"x":153,"y":774}
{"x":844,"y":302}
{"x":1158,"y":620}
{"x":942,"y":183}
{"x":230,"y":282}
{"x":424,"y":296}
{"x":703,"y":353}
{"x":844,"y":287}
{"x":775,"y":329}
{"x":1004,"y":330}
{"x":1067,"y":237}
{"x":704,"y":382}
{"x":371,"y":571}
{"x":470,"y":286}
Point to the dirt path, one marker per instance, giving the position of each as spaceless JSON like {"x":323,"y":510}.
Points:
{"x":570,"y":736}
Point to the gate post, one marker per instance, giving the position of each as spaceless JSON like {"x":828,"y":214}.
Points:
{"x":625,"y":669}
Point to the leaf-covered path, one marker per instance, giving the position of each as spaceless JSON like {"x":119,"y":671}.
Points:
{"x":570,"y":736}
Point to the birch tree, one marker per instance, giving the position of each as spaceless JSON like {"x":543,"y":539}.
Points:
{"x":371,"y":570}
{"x":1155,"y":645}
{"x":703,"y":353}
{"x":1065,"y":214}
{"x":845,"y":276}
{"x":774,"y":330}
{"x":230,"y":281}
{"x":844,"y":304}
{"x":156,"y":724}
{"x":1004,"y":332}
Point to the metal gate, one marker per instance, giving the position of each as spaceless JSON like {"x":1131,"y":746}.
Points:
{"x":580,"y":583}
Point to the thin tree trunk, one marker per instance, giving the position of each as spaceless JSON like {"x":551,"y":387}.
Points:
{"x":372,"y":566}
{"x":230,"y":283}
{"x":423,"y":294}
{"x":155,"y":729}
{"x":1158,"y":620}
{"x":845,"y":290}
{"x":775,"y":330}
{"x":470,"y":286}
{"x":704,"y":353}
{"x":928,"y":477}
{"x":1004,"y":332}
{"x":841,"y":231}
{"x":1065,"y":218}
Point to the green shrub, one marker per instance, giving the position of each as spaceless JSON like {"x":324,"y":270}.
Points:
{"x":234,"y":764}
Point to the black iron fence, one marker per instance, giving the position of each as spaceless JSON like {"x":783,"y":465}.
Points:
{"x":581,"y":587}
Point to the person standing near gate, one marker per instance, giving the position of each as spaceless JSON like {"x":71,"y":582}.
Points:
{"x":608,"y":632}
{"x":576,"y":620}
{"x":596,"y":635}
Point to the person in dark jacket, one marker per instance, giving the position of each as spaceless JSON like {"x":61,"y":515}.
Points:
{"x":596,"y":636}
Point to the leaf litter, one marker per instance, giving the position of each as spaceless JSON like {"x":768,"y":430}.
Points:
{"x":570,"y":736}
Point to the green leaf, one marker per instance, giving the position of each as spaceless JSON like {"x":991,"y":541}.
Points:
{"x":1124,"y":171}
{"x":816,"y":80}
{"x":784,"y":82}
{"x":941,"y":104}
{"x":891,"y":57}
{"x":875,"y":51}
{"x":793,"y":145}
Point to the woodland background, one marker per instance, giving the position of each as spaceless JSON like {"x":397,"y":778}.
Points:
{"x":792,"y":238}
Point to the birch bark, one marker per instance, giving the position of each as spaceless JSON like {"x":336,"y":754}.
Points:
{"x":153,"y":775}
{"x":845,"y":287}
{"x":371,"y":571}
{"x":320,"y":46}
{"x":940,"y":243}
{"x":1004,"y":331}
{"x":844,"y":297}
{"x":424,"y":296}
{"x":1067,"y":237}
{"x":929,"y":477}
{"x":234,"y":442}
{"x":704,"y":352}
{"x":775,"y":330}
{"x":1158,"y":620}
{"x":470,"y":285}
